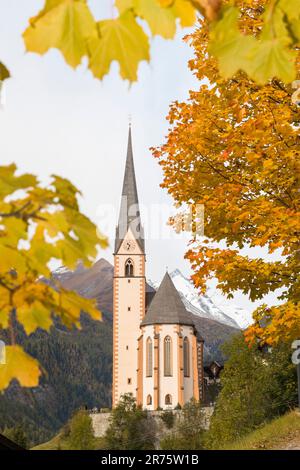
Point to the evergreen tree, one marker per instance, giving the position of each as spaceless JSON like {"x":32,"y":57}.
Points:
{"x":189,"y":432}
{"x":130,"y":427}
{"x":81,"y":434}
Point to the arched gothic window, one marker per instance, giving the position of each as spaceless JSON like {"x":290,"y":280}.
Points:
{"x":168,"y":399}
{"x":168,"y":356}
{"x":149,"y":400}
{"x":149,"y":356}
{"x":186,"y":357}
{"x":129,"y":268}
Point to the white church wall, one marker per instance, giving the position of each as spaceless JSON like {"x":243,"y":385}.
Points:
{"x":168,"y":385}
{"x":188,"y":382}
{"x":148,"y":382}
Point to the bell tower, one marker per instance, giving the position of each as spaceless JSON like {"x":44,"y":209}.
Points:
{"x":129,"y":285}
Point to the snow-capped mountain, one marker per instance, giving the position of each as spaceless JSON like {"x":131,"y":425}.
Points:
{"x":211,"y":305}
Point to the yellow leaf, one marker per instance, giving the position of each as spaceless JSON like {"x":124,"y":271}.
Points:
{"x":165,"y":3}
{"x":5,"y":308}
{"x":19,"y":366}
{"x":33,"y":316}
{"x":184,"y":10}
{"x":122,"y":40}
{"x":65,"y":25}
{"x":9,"y":183}
{"x":123,"y":5}
{"x":161,"y":20}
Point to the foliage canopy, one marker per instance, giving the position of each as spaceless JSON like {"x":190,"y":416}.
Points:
{"x":39,"y":225}
{"x":234,"y":147}
{"x":265,"y":51}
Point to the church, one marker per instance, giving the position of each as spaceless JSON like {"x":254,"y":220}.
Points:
{"x":157,"y":350}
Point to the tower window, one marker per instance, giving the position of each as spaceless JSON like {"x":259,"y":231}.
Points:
{"x":128,"y":308}
{"x":129,"y":268}
{"x":149,"y":356}
{"x":149,"y":400}
{"x":129,"y":381}
{"x":168,"y":399}
{"x":168,"y":356}
{"x":186,"y":357}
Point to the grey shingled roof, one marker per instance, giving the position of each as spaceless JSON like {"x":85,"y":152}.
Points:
{"x":129,"y":210}
{"x":167,"y":306}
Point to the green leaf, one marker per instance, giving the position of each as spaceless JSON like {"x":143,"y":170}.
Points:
{"x":272,"y":58}
{"x":228,"y":45}
{"x":121,"y":40}
{"x":263,"y":58}
{"x":290,"y":7}
{"x":4,"y":72}
{"x":295,"y":27}
{"x":65,"y":25}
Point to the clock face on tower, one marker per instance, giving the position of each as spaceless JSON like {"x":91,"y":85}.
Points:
{"x":129,"y":245}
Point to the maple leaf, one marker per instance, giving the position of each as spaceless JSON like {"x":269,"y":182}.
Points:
{"x":62,"y":24}
{"x":38,"y":225}
{"x":274,"y":59}
{"x":121,"y":40}
{"x":229,"y":45}
{"x":19,"y":366}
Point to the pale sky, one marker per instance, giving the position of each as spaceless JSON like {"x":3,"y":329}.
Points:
{"x":57,"y":120}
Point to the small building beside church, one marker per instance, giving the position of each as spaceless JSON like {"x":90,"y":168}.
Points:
{"x":157,"y":350}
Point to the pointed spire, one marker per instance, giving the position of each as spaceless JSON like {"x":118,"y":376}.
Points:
{"x":129,"y":216}
{"x":167,"y":306}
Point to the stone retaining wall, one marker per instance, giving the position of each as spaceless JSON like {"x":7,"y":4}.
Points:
{"x":101,"y":420}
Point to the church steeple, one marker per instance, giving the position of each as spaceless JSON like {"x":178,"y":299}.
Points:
{"x":129,"y":216}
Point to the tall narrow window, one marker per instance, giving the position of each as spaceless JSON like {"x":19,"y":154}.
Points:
{"x":168,"y":399}
{"x":149,"y":400}
{"x":129,"y":268}
{"x":149,"y":355}
{"x":168,"y":356}
{"x":186,"y":357}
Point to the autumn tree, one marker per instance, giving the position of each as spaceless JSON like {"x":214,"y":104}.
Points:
{"x":38,"y":225}
{"x":234,"y":147}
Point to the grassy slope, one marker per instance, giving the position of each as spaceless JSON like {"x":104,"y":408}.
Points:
{"x":275,"y":435}
{"x":58,"y":443}
{"x":54,"y":444}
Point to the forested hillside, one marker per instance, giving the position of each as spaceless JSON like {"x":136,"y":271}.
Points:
{"x":78,"y":363}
